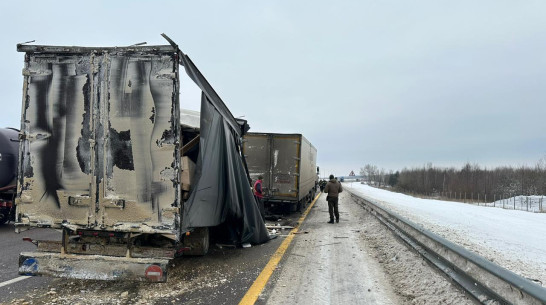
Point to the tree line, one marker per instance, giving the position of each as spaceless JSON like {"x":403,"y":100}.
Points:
{"x":469,"y":179}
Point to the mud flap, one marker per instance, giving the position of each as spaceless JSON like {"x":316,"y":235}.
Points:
{"x":93,"y":267}
{"x":197,"y":243}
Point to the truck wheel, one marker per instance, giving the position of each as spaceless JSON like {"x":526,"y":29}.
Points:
{"x":4,"y":216}
{"x":302,"y":204}
{"x":198,"y":242}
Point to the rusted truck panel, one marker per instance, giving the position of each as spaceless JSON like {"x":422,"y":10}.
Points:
{"x":100,"y":159}
{"x":287,"y":163}
{"x":100,"y":137}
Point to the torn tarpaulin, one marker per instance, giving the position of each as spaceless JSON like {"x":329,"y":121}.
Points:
{"x":221,"y":194}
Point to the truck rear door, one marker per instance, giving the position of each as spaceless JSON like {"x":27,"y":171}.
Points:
{"x":100,"y":134}
{"x":285,"y":160}
{"x":257,"y":151}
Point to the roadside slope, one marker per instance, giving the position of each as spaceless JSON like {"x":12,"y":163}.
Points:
{"x":515,"y":240}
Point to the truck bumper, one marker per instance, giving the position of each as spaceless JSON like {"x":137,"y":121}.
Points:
{"x":93,"y":267}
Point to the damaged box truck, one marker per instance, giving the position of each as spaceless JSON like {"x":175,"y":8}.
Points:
{"x":288,"y":165}
{"x":103,"y":158}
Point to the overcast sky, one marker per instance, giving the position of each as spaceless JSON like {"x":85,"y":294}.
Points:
{"x":391,"y":83}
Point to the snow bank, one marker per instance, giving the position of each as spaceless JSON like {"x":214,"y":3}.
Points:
{"x":513,"y":239}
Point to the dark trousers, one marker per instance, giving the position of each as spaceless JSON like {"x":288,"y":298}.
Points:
{"x":260,"y":203}
{"x":332,"y":207}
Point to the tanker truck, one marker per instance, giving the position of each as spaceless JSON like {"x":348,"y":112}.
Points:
{"x":105,"y":159}
{"x":9,"y":149}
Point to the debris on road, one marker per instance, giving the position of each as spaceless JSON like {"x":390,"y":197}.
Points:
{"x":277,"y":226}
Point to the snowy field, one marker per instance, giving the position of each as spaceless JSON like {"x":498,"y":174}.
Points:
{"x":524,"y":203}
{"x":513,"y":239}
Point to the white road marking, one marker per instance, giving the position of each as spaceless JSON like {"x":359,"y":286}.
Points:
{"x":15,"y":280}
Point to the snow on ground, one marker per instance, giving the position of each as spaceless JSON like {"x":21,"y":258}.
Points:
{"x":524,"y":203}
{"x":513,"y":239}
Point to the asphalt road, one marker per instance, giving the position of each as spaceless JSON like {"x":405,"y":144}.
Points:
{"x":221,"y":277}
{"x":356,"y":261}
{"x":11,"y":244}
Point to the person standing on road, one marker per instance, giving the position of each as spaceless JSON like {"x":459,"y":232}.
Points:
{"x":259,"y":195}
{"x":333,"y":188}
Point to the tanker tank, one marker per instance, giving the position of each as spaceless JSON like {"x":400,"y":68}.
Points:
{"x":9,"y":156}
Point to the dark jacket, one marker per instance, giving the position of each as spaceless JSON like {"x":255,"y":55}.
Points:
{"x":333,"y":188}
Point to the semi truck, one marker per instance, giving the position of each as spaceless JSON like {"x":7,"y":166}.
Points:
{"x":105,"y":160}
{"x":288,"y":165}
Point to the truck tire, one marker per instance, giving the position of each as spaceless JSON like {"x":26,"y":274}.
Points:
{"x":5,"y":215}
{"x":198,"y":242}
{"x":302,"y":204}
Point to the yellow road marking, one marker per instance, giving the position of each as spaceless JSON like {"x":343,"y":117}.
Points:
{"x":259,"y":284}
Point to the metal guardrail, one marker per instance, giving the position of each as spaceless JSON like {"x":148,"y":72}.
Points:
{"x":487,"y":282}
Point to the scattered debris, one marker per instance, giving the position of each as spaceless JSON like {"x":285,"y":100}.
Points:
{"x":278,"y":226}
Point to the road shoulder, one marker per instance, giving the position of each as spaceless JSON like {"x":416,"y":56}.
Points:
{"x":330,"y":263}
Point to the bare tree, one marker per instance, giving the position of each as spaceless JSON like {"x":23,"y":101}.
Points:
{"x":470,"y":179}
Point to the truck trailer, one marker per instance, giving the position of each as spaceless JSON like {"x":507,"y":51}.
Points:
{"x":105,"y":160}
{"x":288,"y":165}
